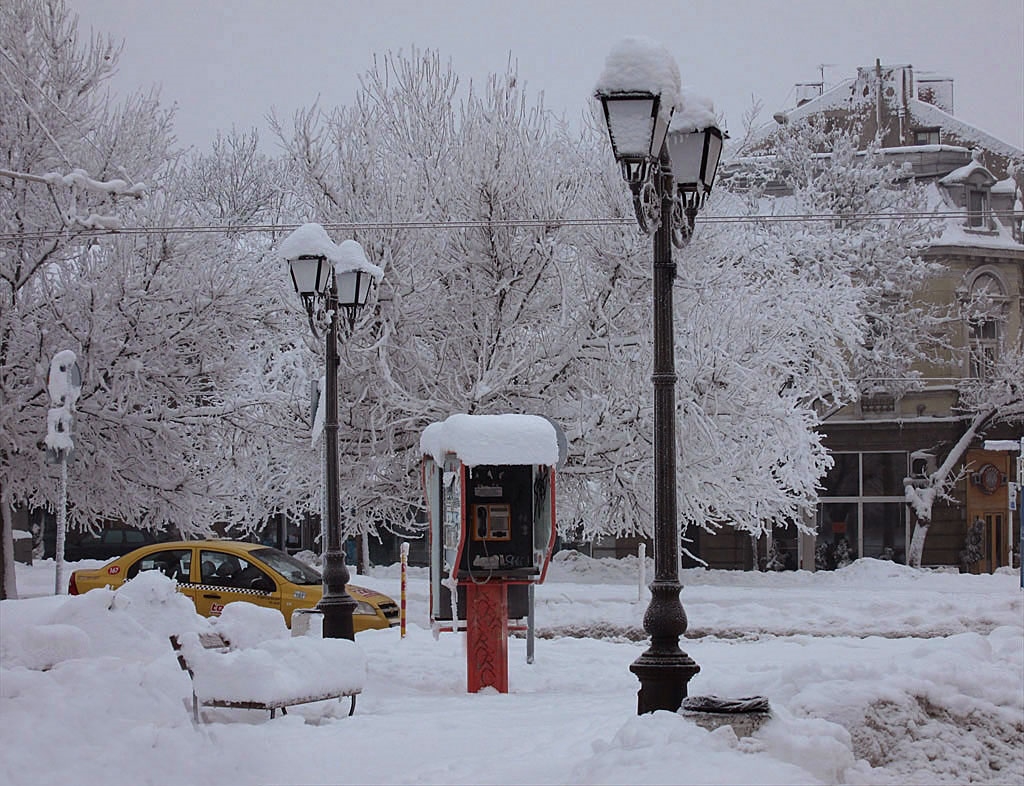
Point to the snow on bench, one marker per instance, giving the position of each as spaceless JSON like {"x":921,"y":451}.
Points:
{"x":269,"y":675}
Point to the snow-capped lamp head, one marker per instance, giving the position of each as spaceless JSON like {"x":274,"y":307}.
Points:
{"x":659,"y":129}
{"x":695,"y":143}
{"x":638,"y":91}
{"x":323,"y":271}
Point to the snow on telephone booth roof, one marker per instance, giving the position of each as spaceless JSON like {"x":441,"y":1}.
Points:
{"x":492,"y":439}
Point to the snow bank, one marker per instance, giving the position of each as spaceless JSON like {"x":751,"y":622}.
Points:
{"x":919,"y":704}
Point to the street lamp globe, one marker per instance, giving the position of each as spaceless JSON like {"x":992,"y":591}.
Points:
{"x":695,"y":155}
{"x":311,"y":274}
{"x":637,"y":126}
{"x":355,"y":275}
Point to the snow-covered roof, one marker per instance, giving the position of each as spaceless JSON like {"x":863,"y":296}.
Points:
{"x":313,"y":240}
{"x":955,"y":233}
{"x":857,"y":93}
{"x":492,"y":439}
{"x":925,"y":114}
{"x":1005,"y":186}
{"x":964,"y":173}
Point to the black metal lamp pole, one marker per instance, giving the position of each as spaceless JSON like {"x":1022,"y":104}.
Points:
{"x":336,"y":604}
{"x":664,"y":669}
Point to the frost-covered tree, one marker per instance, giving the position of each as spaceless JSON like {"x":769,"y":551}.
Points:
{"x":473,"y":313}
{"x":70,"y":161}
{"x":854,"y":203}
{"x":177,"y":334}
{"x":782,"y":322}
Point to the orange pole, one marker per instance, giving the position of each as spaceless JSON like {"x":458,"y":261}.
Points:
{"x":405,"y":562}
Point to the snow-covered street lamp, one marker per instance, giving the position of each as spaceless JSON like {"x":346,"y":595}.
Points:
{"x":655,"y":130}
{"x":328,"y":277}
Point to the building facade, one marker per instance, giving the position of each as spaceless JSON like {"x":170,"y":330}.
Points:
{"x":891,"y":435}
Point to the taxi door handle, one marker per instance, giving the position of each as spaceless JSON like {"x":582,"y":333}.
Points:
{"x":211,"y":596}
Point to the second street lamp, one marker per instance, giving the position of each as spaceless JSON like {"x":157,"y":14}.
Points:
{"x":329,"y":278}
{"x":691,"y":145}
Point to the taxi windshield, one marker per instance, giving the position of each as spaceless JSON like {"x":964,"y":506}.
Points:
{"x":291,"y":569}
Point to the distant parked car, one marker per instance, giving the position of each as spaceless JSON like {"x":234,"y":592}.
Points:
{"x":111,"y":541}
{"x":214,"y":573}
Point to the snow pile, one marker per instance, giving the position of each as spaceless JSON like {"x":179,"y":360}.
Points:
{"x":936,"y":697}
{"x":247,"y":625}
{"x":135,"y":620}
{"x":492,"y":439}
{"x":266,"y":664}
{"x":276,"y":670}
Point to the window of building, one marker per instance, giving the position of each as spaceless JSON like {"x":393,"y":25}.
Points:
{"x":862,"y":509}
{"x":926,"y":136}
{"x":984,"y":325}
{"x":977,"y":208}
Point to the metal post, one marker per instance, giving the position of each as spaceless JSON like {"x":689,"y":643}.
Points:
{"x":337,"y":605}
{"x":664,"y":669}
{"x":60,"y":586}
{"x":531,"y":622}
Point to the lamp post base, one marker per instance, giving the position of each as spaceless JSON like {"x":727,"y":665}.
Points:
{"x":663,"y":670}
{"x":336,"y":604}
{"x":663,"y":680}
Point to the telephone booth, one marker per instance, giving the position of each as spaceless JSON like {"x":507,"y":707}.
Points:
{"x":489,"y":482}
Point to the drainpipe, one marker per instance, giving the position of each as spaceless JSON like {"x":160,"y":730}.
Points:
{"x":878,"y":96}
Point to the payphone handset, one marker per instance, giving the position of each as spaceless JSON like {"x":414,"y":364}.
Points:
{"x":491,"y":522}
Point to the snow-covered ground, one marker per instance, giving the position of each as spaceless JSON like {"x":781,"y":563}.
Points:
{"x":876,"y":674}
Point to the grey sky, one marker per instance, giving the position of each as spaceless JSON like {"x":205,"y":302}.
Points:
{"x":226,"y":63}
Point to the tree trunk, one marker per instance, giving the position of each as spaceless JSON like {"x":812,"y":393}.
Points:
{"x":362,"y":554}
{"x":923,"y":498}
{"x":917,"y":543}
{"x":8,"y":583}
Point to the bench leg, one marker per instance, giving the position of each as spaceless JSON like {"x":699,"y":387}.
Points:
{"x":352,"y":706}
{"x":195,"y":708}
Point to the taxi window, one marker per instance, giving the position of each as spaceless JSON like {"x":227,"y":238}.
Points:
{"x":173,"y":563}
{"x":291,"y":569}
{"x":219,"y":569}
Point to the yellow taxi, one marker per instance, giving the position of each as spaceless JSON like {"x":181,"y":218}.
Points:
{"x":214,"y":573}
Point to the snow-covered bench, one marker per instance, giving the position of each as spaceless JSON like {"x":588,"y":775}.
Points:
{"x":270,"y":675}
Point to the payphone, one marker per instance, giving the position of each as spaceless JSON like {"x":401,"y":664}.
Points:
{"x":489,"y":482}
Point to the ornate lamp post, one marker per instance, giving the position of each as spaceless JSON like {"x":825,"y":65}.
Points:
{"x":650,"y":144}
{"x":328,"y":277}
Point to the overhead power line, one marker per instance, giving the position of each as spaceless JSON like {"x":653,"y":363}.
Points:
{"x":526,"y":223}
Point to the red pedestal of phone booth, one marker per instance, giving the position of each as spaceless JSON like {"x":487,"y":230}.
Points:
{"x":489,"y":482}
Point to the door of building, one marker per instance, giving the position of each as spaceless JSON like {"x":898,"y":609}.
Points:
{"x":995,"y":540}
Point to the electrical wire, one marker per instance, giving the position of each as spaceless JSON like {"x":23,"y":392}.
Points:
{"x":456,"y":224}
